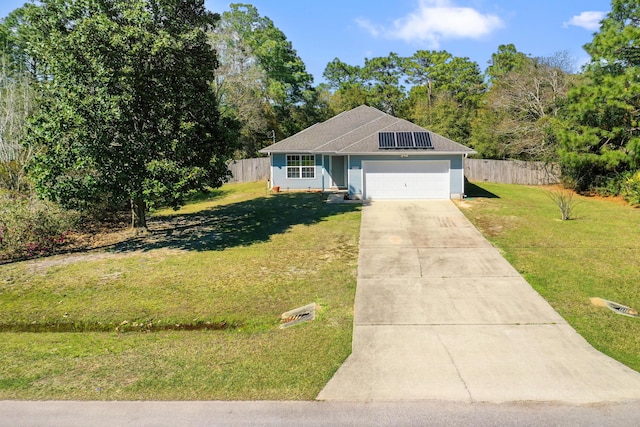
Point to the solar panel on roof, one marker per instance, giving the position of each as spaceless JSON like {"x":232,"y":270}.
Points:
{"x":423,"y":140}
{"x":404,"y":140}
{"x":386,"y":140}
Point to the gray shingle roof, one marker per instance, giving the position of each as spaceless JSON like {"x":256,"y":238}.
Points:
{"x":356,"y":132}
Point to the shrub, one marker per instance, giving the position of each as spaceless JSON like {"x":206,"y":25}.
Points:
{"x":631,"y":188}
{"x":563,"y":198}
{"x":30,"y":227}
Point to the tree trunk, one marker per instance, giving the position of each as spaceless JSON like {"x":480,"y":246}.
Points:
{"x":138,"y":215}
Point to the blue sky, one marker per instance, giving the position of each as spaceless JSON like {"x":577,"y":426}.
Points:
{"x":353,"y":30}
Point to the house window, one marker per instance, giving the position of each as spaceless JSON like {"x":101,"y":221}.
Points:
{"x":301,"y":166}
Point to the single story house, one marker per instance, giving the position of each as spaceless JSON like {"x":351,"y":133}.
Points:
{"x":371,"y":154}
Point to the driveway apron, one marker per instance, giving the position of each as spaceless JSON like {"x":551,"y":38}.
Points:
{"x":440,"y":314}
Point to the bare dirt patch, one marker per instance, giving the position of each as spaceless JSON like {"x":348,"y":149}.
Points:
{"x":43,"y":264}
{"x":464,"y":204}
{"x":493,"y":226}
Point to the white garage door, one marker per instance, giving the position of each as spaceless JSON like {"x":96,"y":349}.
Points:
{"x":409,"y":179}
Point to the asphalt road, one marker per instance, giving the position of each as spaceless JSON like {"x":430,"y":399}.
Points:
{"x":416,"y":413}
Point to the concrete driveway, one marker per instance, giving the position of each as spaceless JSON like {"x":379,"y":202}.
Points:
{"x":440,"y":314}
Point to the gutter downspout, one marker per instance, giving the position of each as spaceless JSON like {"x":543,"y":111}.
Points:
{"x":464,"y":165}
{"x":271,"y":171}
{"x":348,"y":174}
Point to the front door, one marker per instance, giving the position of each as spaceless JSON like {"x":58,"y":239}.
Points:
{"x":338,"y":172}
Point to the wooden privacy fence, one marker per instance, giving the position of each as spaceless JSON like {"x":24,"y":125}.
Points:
{"x":249,"y":170}
{"x":476,"y":170}
{"x":511,"y":172}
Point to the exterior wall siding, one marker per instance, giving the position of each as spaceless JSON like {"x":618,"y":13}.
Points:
{"x":322,"y":181}
{"x":279,"y":175}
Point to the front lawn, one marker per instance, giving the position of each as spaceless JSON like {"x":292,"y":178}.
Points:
{"x":597,"y":254}
{"x":190,"y":311}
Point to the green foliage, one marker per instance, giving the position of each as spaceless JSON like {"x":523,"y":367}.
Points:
{"x":338,"y":74}
{"x":631,"y":188}
{"x":519,"y":116}
{"x":263,"y":83}
{"x":30,"y":227}
{"x":347,"y":83}
{"x":240,"y":87}
{"x":14,"y":45}
{"x":377,"y":84}
{"x":600,"y":137}
{"x":446,"y":93}
{"x":382,"y":77}
{"x":505,"y":60}
{"x":314,"y":109}
{"x":446,"y":75}
{"x":127,"y":109}
{"x":444,"y":96}
{"x":443,"y":114}
{"x":286,"y":72}
{"x":487,"y":138}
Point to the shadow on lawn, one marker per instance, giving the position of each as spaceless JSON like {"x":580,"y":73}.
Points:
{"x":475,"y":191}
{"x":238,"y":224}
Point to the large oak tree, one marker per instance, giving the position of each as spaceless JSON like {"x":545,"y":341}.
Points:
{"x":127,"y":111}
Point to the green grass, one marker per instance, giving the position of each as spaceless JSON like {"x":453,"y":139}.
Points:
{"x":595,"y":255}
{"x":239,"y":257}
{"x":190,"y":311}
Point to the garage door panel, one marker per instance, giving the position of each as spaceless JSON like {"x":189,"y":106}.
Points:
{"x":407,"y":179}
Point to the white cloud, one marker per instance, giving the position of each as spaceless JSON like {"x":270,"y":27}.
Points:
{"x":435,"y":20}
{"x":589,"y":20}
{"x":369,"y":26}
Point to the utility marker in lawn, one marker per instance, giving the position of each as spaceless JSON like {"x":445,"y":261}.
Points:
{"x":298,"y":315}
{"x":615,"y":307}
